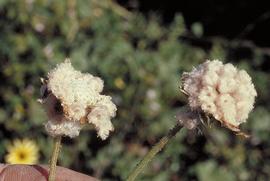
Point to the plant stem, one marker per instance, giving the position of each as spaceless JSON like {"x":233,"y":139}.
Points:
{"x":152,"y":153}
{"x":54,"y":157}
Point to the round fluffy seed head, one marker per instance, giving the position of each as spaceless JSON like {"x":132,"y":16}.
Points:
{"x":220,"y":90}
{"x":70,"y":97}
{"x":76,"y":91}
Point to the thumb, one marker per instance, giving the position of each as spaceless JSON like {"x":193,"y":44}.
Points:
{"x":39,"y":173}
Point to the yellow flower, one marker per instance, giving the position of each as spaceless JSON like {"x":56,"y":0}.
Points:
{"x":22,"y":152}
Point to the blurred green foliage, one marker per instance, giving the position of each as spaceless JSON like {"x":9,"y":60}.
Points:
{"x":141,"y":61}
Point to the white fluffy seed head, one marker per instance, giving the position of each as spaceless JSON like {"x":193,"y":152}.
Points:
{"x":72,"y":98}
{"x":220,"y":90}
{"x":75,"y":90}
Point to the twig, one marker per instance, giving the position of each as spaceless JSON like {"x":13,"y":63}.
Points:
{"x":152,"y":153}
{"x":54,"y":157}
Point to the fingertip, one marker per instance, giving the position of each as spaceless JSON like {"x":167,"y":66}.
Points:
{"x":2,"y":167}
{"x":39,"y":173}
{"x":21,"y":173}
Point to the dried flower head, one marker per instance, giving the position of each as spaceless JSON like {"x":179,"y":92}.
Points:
{"x":220,"y":90}
{"x":72,"y":99}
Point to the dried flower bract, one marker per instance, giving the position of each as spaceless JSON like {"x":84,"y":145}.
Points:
{"x":72,"y":99}
{"x":220,"y":90}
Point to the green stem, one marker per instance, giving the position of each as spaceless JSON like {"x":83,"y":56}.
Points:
{"x":54,"y":157}
{"x":154,"y":150}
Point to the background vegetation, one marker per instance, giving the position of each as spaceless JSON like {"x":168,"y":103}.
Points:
{"x":141,"y":61}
